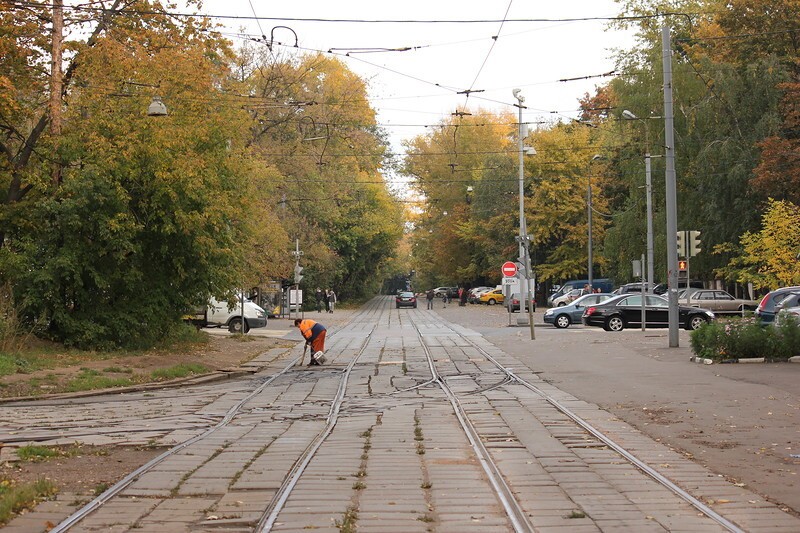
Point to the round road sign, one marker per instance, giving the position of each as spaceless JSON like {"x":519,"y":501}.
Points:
{"x":509,"y":269}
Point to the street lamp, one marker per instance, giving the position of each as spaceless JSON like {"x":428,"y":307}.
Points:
{"x":590,"y":272}
{"x":648,"y":184}
{"x":157,"y":108}
{"x":524,"y":252}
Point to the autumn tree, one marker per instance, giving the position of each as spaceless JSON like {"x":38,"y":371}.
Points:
{"x":153,"y":214}
{"x":463,"y":151}
{"x":312,"y":123}
{"x":768,"y":258}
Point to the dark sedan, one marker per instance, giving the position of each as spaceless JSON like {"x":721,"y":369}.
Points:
{"x":615,"y":314}
{"x":406,"y":299}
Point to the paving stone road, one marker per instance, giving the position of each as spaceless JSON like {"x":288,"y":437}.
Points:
{"x":395,"y":457}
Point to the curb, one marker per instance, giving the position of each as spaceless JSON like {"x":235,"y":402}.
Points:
{"x":217,"y":375}
{"x":250,"y":367}
{"x":744,"y":360}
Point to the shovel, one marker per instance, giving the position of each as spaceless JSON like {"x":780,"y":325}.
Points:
{"x":305,"y":349}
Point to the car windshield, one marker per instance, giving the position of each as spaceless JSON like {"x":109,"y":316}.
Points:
{"x":406,"y":295}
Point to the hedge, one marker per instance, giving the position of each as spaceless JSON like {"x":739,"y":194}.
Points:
{"x":741,"y":338}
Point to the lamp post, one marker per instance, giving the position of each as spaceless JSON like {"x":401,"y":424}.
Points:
{"x":649,"y":193}
{"x":590,"y":270}
{"x":524,"y":253}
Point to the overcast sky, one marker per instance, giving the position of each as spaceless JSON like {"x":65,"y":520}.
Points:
{"x":410,"y":89}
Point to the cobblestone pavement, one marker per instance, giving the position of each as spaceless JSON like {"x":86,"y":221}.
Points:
{"x":395,"y":457}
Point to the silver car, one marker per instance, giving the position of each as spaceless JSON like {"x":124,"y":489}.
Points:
{"x":563,"y":316}
{"x":721,"y":302}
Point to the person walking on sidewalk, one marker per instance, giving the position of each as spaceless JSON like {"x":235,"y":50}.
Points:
{"x":331,"y":300}
{"x":319,"y":296}
{"x":314,"y":334}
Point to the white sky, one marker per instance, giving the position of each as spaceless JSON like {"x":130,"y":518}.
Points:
{"x":418,"y":87}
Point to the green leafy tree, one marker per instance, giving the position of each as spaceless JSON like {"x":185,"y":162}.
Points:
{"x":153,"y":213}
{"x":768,"y":258}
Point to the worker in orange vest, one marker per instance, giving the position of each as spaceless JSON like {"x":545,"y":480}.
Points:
{"x":314,"y":334}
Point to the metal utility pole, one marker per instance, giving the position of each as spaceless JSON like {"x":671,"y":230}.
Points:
{"x":648,"y":185}
{"x":524,"y":251}
{"x":671,"y":190}
{"x":589,"y":209}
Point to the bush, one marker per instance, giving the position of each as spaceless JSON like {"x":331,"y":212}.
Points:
{"x":742,"y":338}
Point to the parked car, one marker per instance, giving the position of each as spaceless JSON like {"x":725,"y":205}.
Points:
{"x":451,"y":291}
{"x":221,"y":314}
{"x":783,"y":314}
{"x":564,"y":316}
{"x":514,"y":303}
{"x":406,"y":299}
{"x":661,"y":288}
{"x":630,"y":287}
{"x":603,"y":284}
{"x":721,"y":302}
{"x":475,"y":293}
{"x":619,"y":312}
{"x":765,"y":311}
{"x":494,"y":296}
{"x":568,"y":298}
{"x":790,"y":302}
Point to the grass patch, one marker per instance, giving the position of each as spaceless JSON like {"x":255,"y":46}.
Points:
{"x":92,"y":379}
{"x":36,"y":454}
{"x":577,"y":514}
{"x":348,"y":522}
{"x":179,"y":371}
{"x":17,"y":498}
{"x":118,"y":370}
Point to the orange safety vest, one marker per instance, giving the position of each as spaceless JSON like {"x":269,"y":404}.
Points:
{"x":308,"y":329}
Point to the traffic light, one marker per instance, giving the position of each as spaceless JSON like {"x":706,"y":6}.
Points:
{"x":297,"y":274}
{"x":681,"y":244}
{"x":683,"y":266}
{"x":694,"y":243}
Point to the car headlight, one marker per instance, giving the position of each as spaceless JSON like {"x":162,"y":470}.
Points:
{"x":710,"y":314}
{"x":548,"y":312}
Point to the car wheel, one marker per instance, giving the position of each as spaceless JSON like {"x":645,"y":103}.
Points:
{"x":491,"y":302}
{"x":415,"y":306}
{"x":614,"y":323}
{"x":235,"y":326}
{"x":562,"y":321}
{"x":398,"y":306}
{"x":694,"y":322}
{"x":561,"y":304}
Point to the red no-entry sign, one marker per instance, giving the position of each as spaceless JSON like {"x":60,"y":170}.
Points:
{"x":509,"y":269}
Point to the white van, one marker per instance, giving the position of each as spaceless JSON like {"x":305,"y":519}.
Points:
{"x":218,"y":315}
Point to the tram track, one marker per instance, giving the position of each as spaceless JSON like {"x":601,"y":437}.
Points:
{"x":513,"y":509}
{"x":276,"y":504}
{"x":475,"y":406}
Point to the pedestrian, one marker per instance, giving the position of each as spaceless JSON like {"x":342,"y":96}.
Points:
{"x":463,"y":296}
{"x":314,"y":334}
{"x":319,"y":295}
{"x":331,"y":300}
{"x":429,"y":297}
{"x":444,"y":299}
